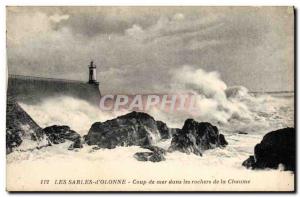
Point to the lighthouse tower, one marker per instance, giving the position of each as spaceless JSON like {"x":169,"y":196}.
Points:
{"x":92,"y":74}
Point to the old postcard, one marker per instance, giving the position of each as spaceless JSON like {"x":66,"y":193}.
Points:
{"x":150,"y":99}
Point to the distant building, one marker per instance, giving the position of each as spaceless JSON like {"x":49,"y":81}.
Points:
{"x":30,"y":89}
{"x":92,"y":73}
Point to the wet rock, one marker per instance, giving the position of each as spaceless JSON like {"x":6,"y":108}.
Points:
{"x":59,"y":134}
{"x":222,"y":140}
{"x":156,"y":155}
{"x":96,"y":148}
{"x":248,"y":163}
{"x":155,"y":149}
{"x":76,"y":144}
{"x":185,"y":144}
{"x":20,"y":126}
{"x":84,"y":138}
{"x":163,"y":130}
{"x":135,"y":128}
{"x":197,"y":137}
{"x":277,"y":147}
{"x":143,"y":156}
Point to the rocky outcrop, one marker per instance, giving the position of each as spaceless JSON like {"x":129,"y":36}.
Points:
{"x":155,"y":149}
{"x":197,"y":137}
{"x":76,"y":144}
{"x":276,"y":147}
{"x":248,"y":163}
{"x":24,"y":134}
{"x":156,"y":154}
{"x":59,"y":134}
{"x":21,"y":127}
{"x":135,"y":128}
{"x":165,"y":132}
{"x":222,"y":141}
{"x":142,"y":156}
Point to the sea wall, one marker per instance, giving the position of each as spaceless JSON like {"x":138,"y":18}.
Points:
{"x":32,"y":90}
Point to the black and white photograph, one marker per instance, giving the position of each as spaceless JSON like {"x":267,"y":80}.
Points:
{"x":150,"y":98}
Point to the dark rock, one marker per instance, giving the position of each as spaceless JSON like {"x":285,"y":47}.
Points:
{"x":76,"y":144}
{"x":242,"y":132}
{"x":196,"y":137}
{"x":135,"y":128}
{"x":58,"y":134}
{"x":20,"y":126}
{"x":222,"y":140}
{"x":185,"y":144}
{"x":156,"y":155}
{"x":163,"y":130}
{"x":248,"y":163}
{"x":13,"y":139}
{"x":155,"y":149}
{"x":96,"y":148}
{"x":143,"y":156}
{"x":276,"y":147}
{"x":84,"y":138}
{"x":174,"y":131}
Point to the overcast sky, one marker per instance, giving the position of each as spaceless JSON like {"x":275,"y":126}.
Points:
{"x":135,"y":48}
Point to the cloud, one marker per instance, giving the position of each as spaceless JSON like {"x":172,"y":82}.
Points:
{"x":178,"y":16}
{"x":135,"y":30}
{"x":58,"y":18}
{"x":136,"y":47}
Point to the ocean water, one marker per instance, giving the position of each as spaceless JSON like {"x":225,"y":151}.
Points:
{"x":254,"y":114}
{"x":231,"y":109}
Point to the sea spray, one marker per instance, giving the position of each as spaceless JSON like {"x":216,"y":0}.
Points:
{"x":233,"y":109}
{"x":64,"y":110}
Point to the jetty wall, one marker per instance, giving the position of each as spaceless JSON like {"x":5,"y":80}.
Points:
{"x":29,"y":89}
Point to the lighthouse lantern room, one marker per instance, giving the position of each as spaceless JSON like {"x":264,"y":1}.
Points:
{"x":92,"y":73}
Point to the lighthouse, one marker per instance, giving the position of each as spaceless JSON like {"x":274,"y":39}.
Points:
{"x":92,"y":74}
